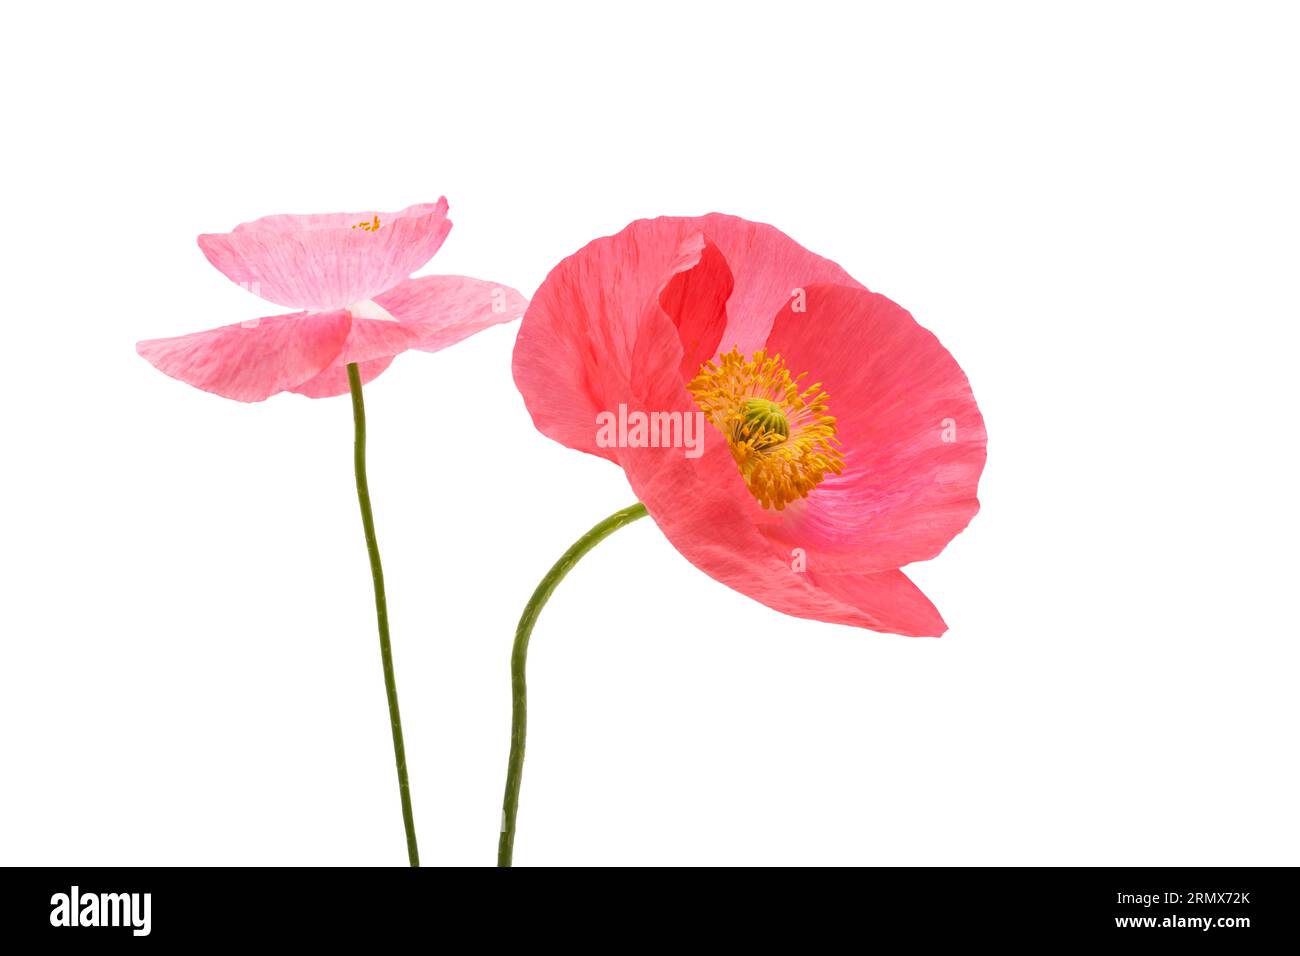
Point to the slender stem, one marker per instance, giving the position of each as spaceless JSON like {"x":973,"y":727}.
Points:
{"x":519,"y":660}
{"x":381,"y":611}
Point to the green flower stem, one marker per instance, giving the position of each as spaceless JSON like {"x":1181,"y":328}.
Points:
{"x":519,"y":660}
{"x":381,"y":610}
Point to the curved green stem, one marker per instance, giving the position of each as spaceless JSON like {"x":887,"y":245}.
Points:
{"x":519,"y":660}
{"x":381,"y":610}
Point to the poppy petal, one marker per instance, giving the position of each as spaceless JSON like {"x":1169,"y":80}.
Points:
{"x":254,"y":360}
{"x":334,"y":380}
{"x":443,"y":310}
{"x":912,"y":436}
{"x":695,"y":298}
{"x":328,"y":261}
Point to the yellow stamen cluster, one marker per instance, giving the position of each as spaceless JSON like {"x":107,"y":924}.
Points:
{"x":779,"y":433}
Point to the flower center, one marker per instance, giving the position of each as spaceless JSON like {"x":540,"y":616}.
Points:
{"x":762,"y":423}
{"x":779,"y":434}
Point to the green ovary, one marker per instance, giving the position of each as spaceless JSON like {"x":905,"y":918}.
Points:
{"x":762,"y":423}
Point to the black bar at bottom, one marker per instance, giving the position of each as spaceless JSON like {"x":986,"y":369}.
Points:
{"x":1169,"y":906}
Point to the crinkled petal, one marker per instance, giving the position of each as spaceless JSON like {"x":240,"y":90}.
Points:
{"x":443,"y":310}
{"x":723,"y":535}
{"x":254,"y":360}
{"x":695,"y":298}
{"x":887,"y":601}
{"x":328,"y":261}
{"x":912,"y":436}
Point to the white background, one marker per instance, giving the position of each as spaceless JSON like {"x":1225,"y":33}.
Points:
{"x":1093,"y":205}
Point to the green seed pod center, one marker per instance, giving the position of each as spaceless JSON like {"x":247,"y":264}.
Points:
{"x":762,"y":423}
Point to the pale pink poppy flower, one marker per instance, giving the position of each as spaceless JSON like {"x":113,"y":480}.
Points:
{"x":841,"y":442}
{"x":348,"y":273}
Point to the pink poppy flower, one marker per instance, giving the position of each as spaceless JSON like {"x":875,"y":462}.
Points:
{"x":348,"y":275}
{"x":841,"y":441}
